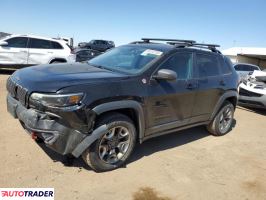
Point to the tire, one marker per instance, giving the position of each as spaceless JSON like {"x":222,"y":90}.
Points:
{"x":97,"y":156}
{"x":223,"y":121}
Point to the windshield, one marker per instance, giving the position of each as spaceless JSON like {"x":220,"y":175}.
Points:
{"x":128,"y":59}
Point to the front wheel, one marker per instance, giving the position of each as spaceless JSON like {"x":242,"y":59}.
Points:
{"x":223,"y":121}
{"x":114,"y":148}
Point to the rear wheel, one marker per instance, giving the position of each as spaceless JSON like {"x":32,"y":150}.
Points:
{"x":223,"y":121}
{"x":114,"y":148}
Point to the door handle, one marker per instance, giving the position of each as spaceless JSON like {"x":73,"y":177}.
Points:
{"x":49,"y":52}
{"x":222,"y":83}
{"x":23,"y":51}
{"x":191,"y":86}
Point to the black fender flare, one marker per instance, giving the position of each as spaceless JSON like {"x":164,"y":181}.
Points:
{"x":123,"y":104}
{"x":226,"y":95}
{"x":57,"y":59}
{"x":96,"y":134}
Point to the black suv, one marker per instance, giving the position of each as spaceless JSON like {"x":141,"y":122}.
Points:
{"x":99,"y":45}
{"x":129,"y":94}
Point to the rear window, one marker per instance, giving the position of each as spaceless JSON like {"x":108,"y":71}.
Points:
{"x":207,"y":65}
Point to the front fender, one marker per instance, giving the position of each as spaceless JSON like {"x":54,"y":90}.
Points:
{"x":123,"y":104}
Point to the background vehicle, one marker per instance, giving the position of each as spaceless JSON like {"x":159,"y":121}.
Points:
{"x":82,"y":44}
{"x":244,"y":69}
{"x":99,"y":45}
{"x":25,"y":50}
{"x":85,"y":54}
{"x":252,"y":91}
{"x":129,"y":94}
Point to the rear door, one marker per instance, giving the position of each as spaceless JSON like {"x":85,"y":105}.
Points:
{"x":16,"y":52}
{"x":170,"y":103}
{"x":210,"y":85}
{"x":40,"y":51}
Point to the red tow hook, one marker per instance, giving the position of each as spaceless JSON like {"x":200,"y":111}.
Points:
{"x":34,"y":136}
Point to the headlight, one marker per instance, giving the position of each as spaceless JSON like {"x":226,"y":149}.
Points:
{"x":57,"y":100}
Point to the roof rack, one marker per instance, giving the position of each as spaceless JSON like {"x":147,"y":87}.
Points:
{"x":147,"y":40}
{"x":181,"y":43}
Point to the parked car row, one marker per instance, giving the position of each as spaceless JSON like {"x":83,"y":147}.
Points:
{"x":17,"y":51}
{"x":26,"y":50}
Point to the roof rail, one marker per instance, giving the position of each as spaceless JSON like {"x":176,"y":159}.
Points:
{"x":207,"y":45}
{"x":211,"y":47}
{"x":147,"y":40}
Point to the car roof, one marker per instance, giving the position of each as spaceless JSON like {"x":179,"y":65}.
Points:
{"x":37,"y":37}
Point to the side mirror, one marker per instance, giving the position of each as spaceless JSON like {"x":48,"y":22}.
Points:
{"x":165,"y":74}
{"x":3,"y":43}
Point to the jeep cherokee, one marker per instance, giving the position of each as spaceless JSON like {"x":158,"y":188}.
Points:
{"x":100,"y":109}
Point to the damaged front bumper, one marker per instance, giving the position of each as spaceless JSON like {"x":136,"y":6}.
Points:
{"x":57,"y":133}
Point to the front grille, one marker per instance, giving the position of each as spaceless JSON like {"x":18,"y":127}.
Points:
{"x":17,"y":91}
{"x":11,"y":87}
{"x":247,"y":93}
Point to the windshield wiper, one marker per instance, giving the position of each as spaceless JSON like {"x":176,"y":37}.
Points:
{"x":100,"y":66}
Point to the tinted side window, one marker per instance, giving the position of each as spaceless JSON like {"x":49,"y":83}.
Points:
{"x":247,"y":68}
{"x":56,"y":45}
{"x":181,"y":63}
{"x":207,"y":65}
{"x":17,"y":42}
{"x":250,"y":68}
{"x":40,"y":44}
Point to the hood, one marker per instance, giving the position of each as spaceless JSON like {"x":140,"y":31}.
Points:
{"x":51,"y":78}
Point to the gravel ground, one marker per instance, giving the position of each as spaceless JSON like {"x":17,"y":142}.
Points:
{"x":189,"y":164}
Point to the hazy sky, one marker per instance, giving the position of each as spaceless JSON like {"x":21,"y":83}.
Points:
{"x":228,"y":23}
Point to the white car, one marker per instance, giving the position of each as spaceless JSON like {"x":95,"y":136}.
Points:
{"x":252,"y":91}
{"x":26,"y":50}
{"x":244,"y":69}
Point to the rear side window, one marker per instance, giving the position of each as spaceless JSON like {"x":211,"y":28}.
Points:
{"x":56,"y":45}
{"x":40,"y":44}
{"x":207,"y":65}
{"x":17,"y":42}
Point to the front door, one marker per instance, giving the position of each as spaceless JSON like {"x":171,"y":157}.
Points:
{"x":170,"y":103}
{"x":15,"y":52}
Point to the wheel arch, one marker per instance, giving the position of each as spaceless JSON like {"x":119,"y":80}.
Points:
{"x":63,"y":60}
{"x":231,"y":96}
{"x":130,"y":108}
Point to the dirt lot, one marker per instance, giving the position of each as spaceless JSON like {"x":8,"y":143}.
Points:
{"x":186,"y":165}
